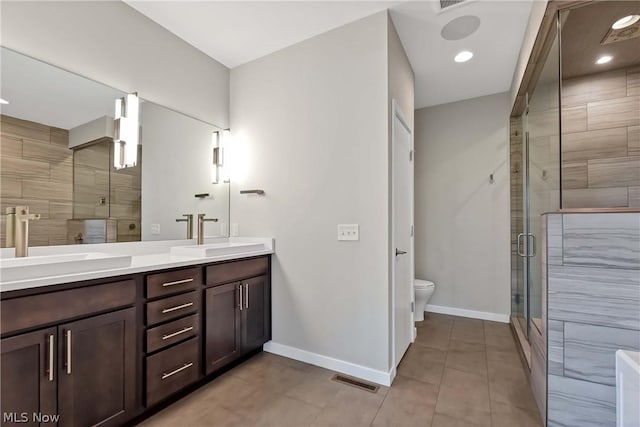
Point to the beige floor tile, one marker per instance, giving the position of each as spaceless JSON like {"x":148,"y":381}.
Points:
{"x":350,"y":407}
{"x":287,"y":411}
{"x":272,"y":376}
{"x":466,"y":402}
{"x":408,"y":403}
{"x":434,"y":336}
{"x":501,"y":342}
{"x":317,"y":389}
{"x":509,"y":384}
{"x":497,"y":328}
{"x":454,"y":377}
{"x":423,"y":364}
{"x":509,"y":416}
{"x":440,"y":420}
{"x":468,"y":331}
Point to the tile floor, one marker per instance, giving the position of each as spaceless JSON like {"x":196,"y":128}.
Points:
{"x":459,"y":372}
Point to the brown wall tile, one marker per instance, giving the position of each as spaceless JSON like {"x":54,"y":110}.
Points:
{"x":634,"y":197}
{"x":587,"y":89}
{"x":47,"y":190}
{"x":20,"y":168}
{"x":10,"y":187}
{"x":633,"y":82}
{"x":595,"y":197}
{"x":620,"y":172}
{"x":574,"y":175}
{"x":10,"y":147}
{"x":574,"y":119}
{"x":595,"y":144}
{"x":633,"y":137}
{"x":24,"y":129}
{"x":614,"y":113}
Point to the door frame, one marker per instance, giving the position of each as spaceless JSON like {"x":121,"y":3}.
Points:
{"x":396,"y":112}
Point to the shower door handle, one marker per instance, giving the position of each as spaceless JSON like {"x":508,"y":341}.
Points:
{"x":534,"y":248}
{"x":520,"y":254}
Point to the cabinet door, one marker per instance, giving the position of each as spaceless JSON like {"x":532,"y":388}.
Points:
{"x":256,"y":313}
{"x":28,"y":377}
{"x":96,"y":384}
{"x":222,"y":325}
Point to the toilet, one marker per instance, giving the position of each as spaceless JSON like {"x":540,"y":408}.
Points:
{"x":423,"y":291}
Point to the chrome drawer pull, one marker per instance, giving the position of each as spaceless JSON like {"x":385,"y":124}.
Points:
{"x":177,"y":307}
{"x":177,"y":282}
{"x":68,"y":351}
{"x":182,"y":368}
{"x":175,"y":334}
{"x":51,"y":361}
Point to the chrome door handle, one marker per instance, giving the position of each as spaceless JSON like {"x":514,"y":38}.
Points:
{"x":175,"y":371}
{"x":51,"y":350}
{"x":240,"y":298}
{"x":520,"y":254}
{"x":68,"y":335}
{"x":177,"y":307}
{"x":534,"y":246}
{"x":399,"y":252}
{"x":246,"y":295}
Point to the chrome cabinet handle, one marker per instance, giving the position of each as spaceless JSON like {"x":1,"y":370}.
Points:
{"x":177,"y":307}
{"x":175,"y":371}
{"x":520,"y":254}
{"x":246,"y":295}
{"x":68,"y":335}
{"x":534,"y":248}
{"x":240,"y":299}
{"x":175,"y":334}
{"x":177,"y":282}
{"x":51,"y":350}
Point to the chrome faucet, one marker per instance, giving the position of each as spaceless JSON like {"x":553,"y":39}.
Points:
{"x":189,"y":221}
{"x":10,"y":228}
{"x":22,"y":230}
{"x":201,"y":220}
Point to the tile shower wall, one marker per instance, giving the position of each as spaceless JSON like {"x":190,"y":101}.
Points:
{"x":593,"y":267}
{"x":36,"y":170}
{"x":601,"y":140}
{"x":517,"y":214}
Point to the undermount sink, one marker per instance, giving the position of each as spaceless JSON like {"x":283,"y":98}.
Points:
{"x":216,"y":249}
{"x":13,"y":269}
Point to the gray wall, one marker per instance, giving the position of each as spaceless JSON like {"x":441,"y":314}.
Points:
{"x":462,"y":221}
{"x":311,"y":124}
{"x":593,"y":270}
{"x":112,"y":43}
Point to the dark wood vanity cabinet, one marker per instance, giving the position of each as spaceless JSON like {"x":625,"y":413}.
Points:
{"x":83,"y":370}
{"x":237,"y":314}
{"x":103,"y":352}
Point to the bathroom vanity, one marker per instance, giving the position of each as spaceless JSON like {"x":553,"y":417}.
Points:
{"x":109,"y":349}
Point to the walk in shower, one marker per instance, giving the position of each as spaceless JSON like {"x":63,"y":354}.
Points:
{"x":535,"y":188}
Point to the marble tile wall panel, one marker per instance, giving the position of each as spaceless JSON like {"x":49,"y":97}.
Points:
{"x":589,"y":351}
{"x":574,"y":175}
{"x":556,"y":347}
{"x":597,"y":296}
{"x":634,"y":197}
{"x":618,"y":172}
{"x":594,"y":144}
{"x":602,"y":240}
{"x":574,"y":119}
{"x":554,"y":239}
{"x":613,"y":113}
{"x":576,"y":403}
{"x":614,"y":197}
{"x":594,"y":88}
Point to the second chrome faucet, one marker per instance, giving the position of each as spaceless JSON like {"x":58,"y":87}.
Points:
{"x":201,"y":220}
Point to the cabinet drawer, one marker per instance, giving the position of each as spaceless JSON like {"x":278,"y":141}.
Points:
{"x":172,"y":370}
{"x":172,"y":307}
{"x":34,"y":310}
{"x":173,"y":281}
{"x":236,"y":270}
{"x":171,"y":333}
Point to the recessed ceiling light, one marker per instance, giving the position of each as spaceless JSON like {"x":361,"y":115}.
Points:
{"x":604,"y":59}
{"x":2,"y":101}
{"x":625,"y":22}
{"x":463,"y":56}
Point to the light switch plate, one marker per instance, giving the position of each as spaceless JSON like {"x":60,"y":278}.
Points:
{"x":155,"y":229}
{"x":348,"y":232}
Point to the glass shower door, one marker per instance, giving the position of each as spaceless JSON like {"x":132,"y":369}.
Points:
{"x":542,"y":176}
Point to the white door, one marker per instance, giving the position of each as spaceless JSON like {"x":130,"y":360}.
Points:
{"x":402,"y":251}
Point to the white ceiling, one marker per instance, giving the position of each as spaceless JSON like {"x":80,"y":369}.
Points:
{"x":236,"y":32}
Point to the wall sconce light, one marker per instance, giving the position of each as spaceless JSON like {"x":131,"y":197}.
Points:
{"x":218,"y":138}
{"x":126,"y":131}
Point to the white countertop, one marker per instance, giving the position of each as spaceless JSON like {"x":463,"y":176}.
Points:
{"x":145,"y":256}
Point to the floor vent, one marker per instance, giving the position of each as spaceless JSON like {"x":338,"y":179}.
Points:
{"x":355,"y":383}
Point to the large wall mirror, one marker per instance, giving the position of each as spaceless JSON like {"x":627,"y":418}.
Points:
{"x":56,"y":156}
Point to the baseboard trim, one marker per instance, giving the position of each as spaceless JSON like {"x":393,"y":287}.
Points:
{"x":484,"y":315}
{"x":347,"y":368}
